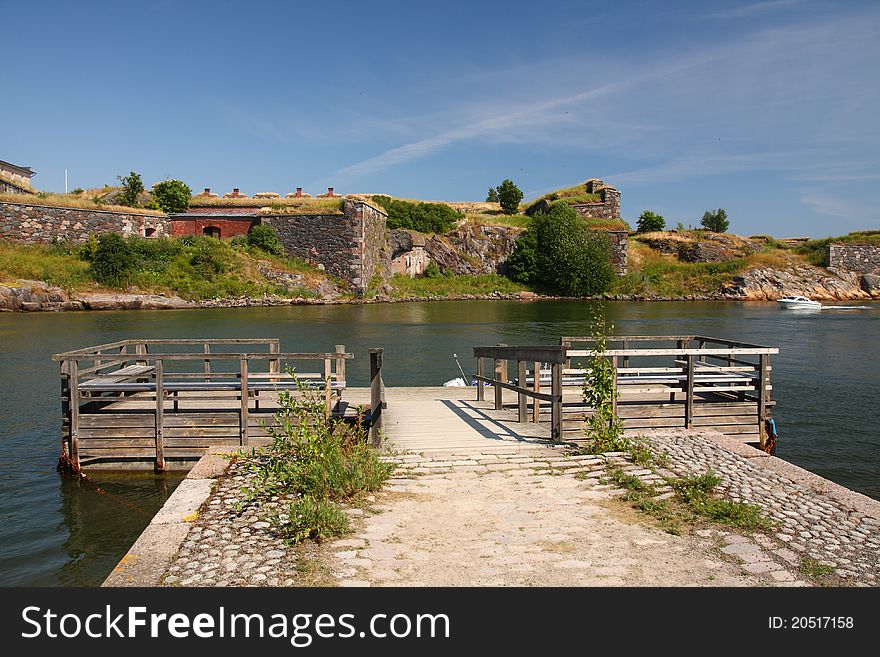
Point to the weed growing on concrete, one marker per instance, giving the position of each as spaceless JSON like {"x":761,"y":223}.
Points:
{"x":695,"y":501}
{"x":317,"y":460}
{"x":604,"y":428}
{"x":813,"y":568}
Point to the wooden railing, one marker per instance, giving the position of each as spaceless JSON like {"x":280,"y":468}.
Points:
{"x":129,"y":367}
{"x":524,"y":357}
{"x":687,"y":369}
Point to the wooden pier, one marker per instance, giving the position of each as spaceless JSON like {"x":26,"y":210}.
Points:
{"x":159,"y":404}
{"x":661,"y":382}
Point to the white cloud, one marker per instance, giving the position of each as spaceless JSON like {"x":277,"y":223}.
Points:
{"x":746,"y":11}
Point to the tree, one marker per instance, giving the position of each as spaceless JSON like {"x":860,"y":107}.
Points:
{"x":571,"y":258}
{"x":132,"y":187}
{"x":171,"y":196}
{"x":509,"y":196}
{"x":112,"y":262}
{"x":522,"y":265}
{"x":492,"y":196}
{"x":650,"y":222}
{"x":716,"y":220}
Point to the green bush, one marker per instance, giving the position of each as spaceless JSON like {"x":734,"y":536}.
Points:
{"x":571,"y":258}
{"x":432,"y":270}
{"x":112,"y":263}
{"x":423,"y":217}
{"x":492,"y":196}
{"x":650,"y":222}
{"x":210,"y":258}
{"x":264,"y":237}
{"x":509,"y":196}
{"x":522,"y":265}
{"x":715,"y":220}
{"x":171,"y":196}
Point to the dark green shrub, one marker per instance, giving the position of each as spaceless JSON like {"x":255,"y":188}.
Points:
{"x":650,"y":222}
{"x":264,"y":237}
{"x":432,"y":270}
{"x":522,"y":265}
{"x":509,"y":196}
{"x":132,"y":187}
{"x":171,"y":196}
{"x":112,"y":263}
{"x":423,"y":217}
{"x":153,"y":254}
{"x":571,"y":258}
{"x":492,"y":196}
{"x":715,"y":220}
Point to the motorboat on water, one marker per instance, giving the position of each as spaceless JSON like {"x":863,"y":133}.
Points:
{"x":799,"y":302}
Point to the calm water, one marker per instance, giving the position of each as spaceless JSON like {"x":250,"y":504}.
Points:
{"x":60,"y":532}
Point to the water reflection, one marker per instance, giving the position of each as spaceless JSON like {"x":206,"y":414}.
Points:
{"x":102,"y":513}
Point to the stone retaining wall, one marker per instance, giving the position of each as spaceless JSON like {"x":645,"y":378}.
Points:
{"x":26,"y":222}
{"x":352,"y":246}
{"x":860,"y":258}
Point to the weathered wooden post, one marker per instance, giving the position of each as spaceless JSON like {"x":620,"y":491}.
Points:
{"x":340,"y":363}
{"x":377,"y":396}
{"x":206,"y":348}
{"x":613,"y":388}
{"x":328,"y":389}
{"x":160,"y":416}
{"x":244,"y":437}
{"x":536,"y":403}
{"x":763,"y":396}
{"x":689,"y":393}
{"x":73,"y":385}
{"x":481,"y":386}
{"x":500,"y":375}
{"x":520,"y":397}
{"x":556,"y":404}
{"x":275,"y":363}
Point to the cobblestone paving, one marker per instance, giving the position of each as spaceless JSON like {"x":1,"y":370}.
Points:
{"x":228,"y":547}
{"x":538,"y":516}
{"x":811,"y":524}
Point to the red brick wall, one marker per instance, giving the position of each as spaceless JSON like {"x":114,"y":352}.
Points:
{"x":196,"y":226}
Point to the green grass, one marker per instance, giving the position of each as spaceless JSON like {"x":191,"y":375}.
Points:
{"x":83,"y":201}
{"x":449,"y":285}
{"x":813,"y":568}
{"x":574,"y":194}
{"x":280,"y":205}
{"x":37,"y":262}
{"x":695,"y":502}
{"x":512,"y":220}
{"x":195,"y":268}
{"x":315,"y":519}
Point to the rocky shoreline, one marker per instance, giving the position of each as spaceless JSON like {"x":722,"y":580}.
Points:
{"x":755,"y":285}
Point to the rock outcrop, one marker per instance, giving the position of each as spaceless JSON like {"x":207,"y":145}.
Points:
{"x":29,"y":296}
{"x":473,"y":249}
{"x":813,"y":282}
{"x":711,"y":247}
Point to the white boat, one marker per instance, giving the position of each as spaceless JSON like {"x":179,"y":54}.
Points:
{"x":799,"y":302}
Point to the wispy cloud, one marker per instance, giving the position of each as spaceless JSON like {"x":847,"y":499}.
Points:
{"x":747,"y":11}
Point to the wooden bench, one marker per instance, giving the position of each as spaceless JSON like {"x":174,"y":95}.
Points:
{"x":120,"y":376}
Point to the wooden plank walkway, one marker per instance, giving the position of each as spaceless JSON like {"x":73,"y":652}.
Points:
{"x":432,"y":420}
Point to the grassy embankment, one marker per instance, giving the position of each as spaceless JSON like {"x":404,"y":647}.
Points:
{"x":193,"y":268}
{"x":87,"y":200}
{"x":451,"y":286}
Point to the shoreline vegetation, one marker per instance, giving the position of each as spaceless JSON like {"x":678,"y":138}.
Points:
{"x":195,"y":272}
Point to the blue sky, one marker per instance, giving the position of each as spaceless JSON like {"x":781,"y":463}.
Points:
{"x":768,"y":109}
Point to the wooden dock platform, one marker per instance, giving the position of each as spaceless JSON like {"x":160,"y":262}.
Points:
{"x":160,"y":404}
